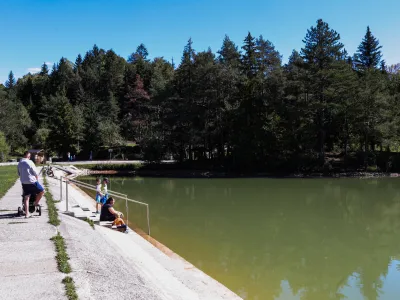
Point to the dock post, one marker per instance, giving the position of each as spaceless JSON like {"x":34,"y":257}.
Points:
{"x":66,"y":195}
{"x":148,"y":219}
{"x":61,"y":188}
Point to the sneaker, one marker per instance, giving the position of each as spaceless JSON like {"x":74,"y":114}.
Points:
{"x":97,"y":212}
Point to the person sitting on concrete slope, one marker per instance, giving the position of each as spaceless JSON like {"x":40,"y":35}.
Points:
{"x":108,"y":213}
{"x":119,"y":223}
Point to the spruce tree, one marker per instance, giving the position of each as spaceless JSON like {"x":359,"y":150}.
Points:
{"x":368,"y":54}
{"x":142,"y":51}
{"x":78,"y":62}
{"x":249,"y":57}
{"x":10,"y":83}
{"x":44,"y":71}
{"x":229,"y":53}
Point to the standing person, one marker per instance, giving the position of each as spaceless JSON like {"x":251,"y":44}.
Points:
{"x":68,"y":156}
{"x":30,"y":181}
{"x":105,"y":191}
{"x":91,"y":156}
{"x":99,"y":195}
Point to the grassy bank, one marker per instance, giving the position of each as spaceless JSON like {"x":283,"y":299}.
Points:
{"x":8,"y":176}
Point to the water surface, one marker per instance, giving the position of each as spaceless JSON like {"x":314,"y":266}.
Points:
{"x":279,"y":239}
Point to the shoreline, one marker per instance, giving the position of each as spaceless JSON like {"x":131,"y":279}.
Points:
{"x":212,"y":174}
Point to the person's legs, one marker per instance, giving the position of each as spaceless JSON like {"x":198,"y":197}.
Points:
{"x":98,"y":203}
{"x":39,"y":197}
{"x":40,"y":193}
{"x":26,"y":202}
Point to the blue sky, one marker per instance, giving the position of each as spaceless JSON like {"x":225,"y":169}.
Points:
{"x":33,"y":32}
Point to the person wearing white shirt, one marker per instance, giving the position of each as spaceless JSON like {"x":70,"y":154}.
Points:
{"x":29,"y":178}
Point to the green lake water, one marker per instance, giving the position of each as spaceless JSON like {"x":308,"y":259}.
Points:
{"x":279,"y":239}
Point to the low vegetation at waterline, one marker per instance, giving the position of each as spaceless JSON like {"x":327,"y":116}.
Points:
{"x":108,"y":167}
{"x":239,"y":108}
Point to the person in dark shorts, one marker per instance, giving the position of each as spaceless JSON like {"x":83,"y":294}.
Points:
{"x":107,"y":211}
{"x":30,"y":181}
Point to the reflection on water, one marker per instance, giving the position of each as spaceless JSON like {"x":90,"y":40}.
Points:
{"x":280,"y":238}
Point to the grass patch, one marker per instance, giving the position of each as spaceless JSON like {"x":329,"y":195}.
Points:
{"x":8,"y":176}
{"x":62,"y":256}
{"x":51,"y":206}
{"x":70,"y":289}
{"x":90,"y":222}
{"x":61,"y":248}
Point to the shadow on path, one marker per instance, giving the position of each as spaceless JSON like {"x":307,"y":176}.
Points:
{"x":8,"y":215}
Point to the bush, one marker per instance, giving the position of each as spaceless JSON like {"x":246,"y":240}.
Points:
{"x":373,"y":168}
{"x":4,"y":148}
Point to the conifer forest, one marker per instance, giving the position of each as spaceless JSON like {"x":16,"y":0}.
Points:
{"x":239,"y":108}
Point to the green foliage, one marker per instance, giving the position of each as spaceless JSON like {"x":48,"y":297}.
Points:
{"x":237,"y":109}
{"x":4,"y":148}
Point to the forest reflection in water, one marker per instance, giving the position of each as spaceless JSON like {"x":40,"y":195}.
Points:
{"x":280,"y":238}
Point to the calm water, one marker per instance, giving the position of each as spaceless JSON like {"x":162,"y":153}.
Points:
{"x":280,"y":239}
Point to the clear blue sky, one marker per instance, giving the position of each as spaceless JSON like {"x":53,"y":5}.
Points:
{"x":33,"y":32}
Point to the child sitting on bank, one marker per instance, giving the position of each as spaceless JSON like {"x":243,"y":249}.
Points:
{"x":119,"y":223}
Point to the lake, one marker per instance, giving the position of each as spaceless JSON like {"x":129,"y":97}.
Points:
{"x":279,"y":239}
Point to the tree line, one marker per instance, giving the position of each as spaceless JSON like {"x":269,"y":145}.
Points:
{"x":240,"y":108}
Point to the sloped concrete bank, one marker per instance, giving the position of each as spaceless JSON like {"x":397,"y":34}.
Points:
{"x":126,"y":266}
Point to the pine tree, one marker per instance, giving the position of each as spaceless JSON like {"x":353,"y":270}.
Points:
{"x":322,"y":46}
{"x":321,"y":52}
{"x":268,"y":59}
{"x":368,"y":54}
{"x":10,"y":83}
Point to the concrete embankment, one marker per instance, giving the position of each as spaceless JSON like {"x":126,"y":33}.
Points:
{"x":28,"y":269}
{"x":126,"y":266}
